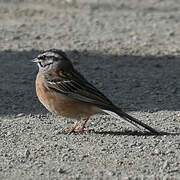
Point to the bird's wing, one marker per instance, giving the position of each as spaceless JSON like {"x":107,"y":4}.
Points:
{"x":74,"y":85}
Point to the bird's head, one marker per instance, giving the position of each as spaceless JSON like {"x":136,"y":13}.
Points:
{"x":52,"y":59}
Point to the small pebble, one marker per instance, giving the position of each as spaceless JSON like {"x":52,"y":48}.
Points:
{"x":20,"y":115}
{"x":166,"y":163}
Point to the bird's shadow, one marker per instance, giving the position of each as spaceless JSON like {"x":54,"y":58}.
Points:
{"x":133,"y":133}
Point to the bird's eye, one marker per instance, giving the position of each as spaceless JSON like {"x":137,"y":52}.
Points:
{"x":43,"y":57}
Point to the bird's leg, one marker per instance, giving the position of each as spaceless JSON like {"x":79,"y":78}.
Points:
{"x":81,"y":130}
{"x":74,"y":127}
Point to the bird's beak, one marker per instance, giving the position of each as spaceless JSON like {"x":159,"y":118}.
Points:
{"x":35,"y":60}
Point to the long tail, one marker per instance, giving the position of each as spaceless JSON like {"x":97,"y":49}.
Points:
{"x":119,"y":114}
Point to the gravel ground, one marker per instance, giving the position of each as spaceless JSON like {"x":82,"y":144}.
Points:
{"x":130,"y":51}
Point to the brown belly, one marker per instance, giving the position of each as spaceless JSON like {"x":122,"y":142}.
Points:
{"x":62,"y":105}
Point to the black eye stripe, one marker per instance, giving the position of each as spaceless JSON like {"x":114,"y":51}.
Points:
{"x":44,"y":65}
{"x":42,"y":57}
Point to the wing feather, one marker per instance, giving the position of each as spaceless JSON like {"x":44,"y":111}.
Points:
{"x":74,"y":85}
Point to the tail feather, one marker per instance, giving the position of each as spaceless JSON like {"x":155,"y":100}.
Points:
{"x":129,"y":119}
{"x":121,"y":118}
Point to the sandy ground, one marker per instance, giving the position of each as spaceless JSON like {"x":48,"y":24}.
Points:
{"x":130,"y":51}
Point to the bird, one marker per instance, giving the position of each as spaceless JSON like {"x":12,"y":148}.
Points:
{"x":65,"y":92}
